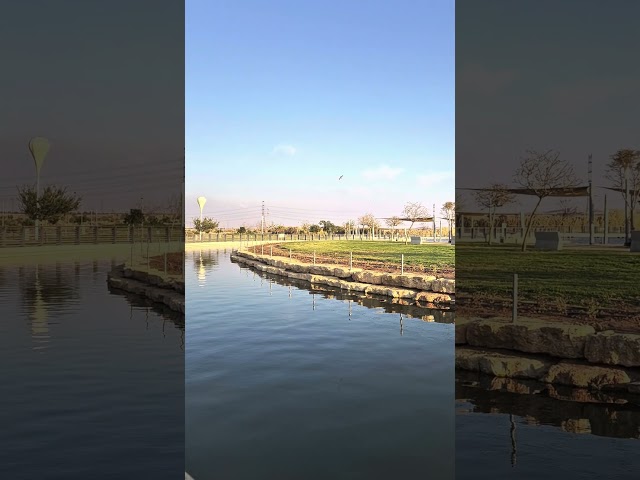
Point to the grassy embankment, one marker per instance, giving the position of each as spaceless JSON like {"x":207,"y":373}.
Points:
{"x":587,"y":282}
{"x":438,"y":259}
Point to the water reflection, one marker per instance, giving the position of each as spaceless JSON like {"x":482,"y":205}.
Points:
{"x":204,"y":262}
{"x":42,"y":290}
{"x":572,"y":410}
{"x":404,"y":307}
{"x":137,"y":302}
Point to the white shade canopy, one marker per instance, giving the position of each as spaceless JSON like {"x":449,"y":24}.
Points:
{"x":201,"y":202}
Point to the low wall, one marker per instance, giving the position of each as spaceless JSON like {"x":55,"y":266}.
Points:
{"x":574,"y":355}
{"x":410,"y":286}
{"x":169,"y":292}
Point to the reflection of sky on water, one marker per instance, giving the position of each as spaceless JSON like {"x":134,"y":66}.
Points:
{"x":109,"y":365}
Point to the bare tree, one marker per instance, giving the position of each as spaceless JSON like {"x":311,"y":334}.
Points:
{"x":393,"y":222}
{"x":448,"y":211}
{"x":543,"y":173}
{"x":623,"y":171}
{"x":368,"y":220}
{"x":414,"y":211}
{"x":496,"y":196}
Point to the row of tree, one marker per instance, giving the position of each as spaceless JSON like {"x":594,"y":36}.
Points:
{"x":544,"y":173}
{"x":54,"y":203}
{"x":412,"y":212}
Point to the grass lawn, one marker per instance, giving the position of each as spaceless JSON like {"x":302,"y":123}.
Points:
{"x":590,"y":279}
{"x":378,"y":255}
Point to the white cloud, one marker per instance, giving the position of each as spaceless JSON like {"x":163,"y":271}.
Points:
{"x":436,"y":179}
{"x":288,"y":150}
{"x":382,"y":172}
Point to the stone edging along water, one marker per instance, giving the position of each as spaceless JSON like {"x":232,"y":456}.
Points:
{"x":168,"y":292}
{"x":553,"y":353}
{"x":417,"y":287}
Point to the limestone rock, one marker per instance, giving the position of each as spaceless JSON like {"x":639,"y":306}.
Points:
{"x":586,"y":376}
{"x":461,"y":329}
{"x":500,"y":364}
{"x":373,"y":278}
{"x":613,"y":348}
{"x":443,"y":285}
{"x":431,"y":297}
{"x":530,"y":336}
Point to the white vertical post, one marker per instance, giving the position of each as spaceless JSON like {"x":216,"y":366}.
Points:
{"x":314,"y":257}
{"x":350,"y":261}
{"x":271,"y":250}
{"x":514,"y":315}
{"x":402,"y":264}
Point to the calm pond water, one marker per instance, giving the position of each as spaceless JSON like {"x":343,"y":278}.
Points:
{"x":93,"y":380}
{"x":514,"y":435}
{"x":283,"y":382}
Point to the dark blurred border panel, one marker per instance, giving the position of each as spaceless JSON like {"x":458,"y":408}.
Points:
{"x":547,"y":239}
{"x":92,"y":239}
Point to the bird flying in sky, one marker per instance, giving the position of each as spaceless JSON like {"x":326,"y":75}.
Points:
{"x":341,"y":177}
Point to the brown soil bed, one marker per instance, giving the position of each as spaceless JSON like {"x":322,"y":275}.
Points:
{"x":175,"y":263}
{"x":620,"y":321}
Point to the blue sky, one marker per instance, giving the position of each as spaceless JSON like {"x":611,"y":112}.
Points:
{"x":283,"y":97}
{"x":544,"y":75}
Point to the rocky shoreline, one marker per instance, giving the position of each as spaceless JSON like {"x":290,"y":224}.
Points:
{"x":421,"y":288}
{"x":167,"y":292}
{"x":551,"y":353}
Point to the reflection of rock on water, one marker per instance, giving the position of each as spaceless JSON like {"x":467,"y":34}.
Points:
{"x":573,"y":410}
{"x":408,"y":308}
{"x":577,"y":425}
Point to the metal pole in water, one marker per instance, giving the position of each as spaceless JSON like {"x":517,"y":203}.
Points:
{"x":514,"y":315}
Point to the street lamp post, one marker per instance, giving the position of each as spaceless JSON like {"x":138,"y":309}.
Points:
{"x":201,"y":202}
{"x":39,"y":147}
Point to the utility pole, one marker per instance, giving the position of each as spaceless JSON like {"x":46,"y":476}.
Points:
{"x":434,"y":222}
{"x":627,"y":239}
{"x":590,"y":204}
{"x":263,"y":217}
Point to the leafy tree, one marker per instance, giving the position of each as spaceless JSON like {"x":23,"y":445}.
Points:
{"x":314,"y":228}
{"x":327,"y":226}
{"x":206,"y":225}
{"x":52,"y":204}
{"x":134,"y":217}
{"x":241,"y":229}
{"x":543,"y":172}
